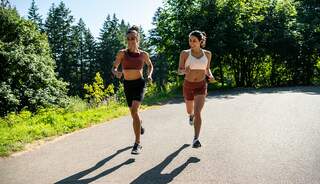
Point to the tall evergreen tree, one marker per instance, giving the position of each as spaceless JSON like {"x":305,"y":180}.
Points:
{"x":58,"y":27}
{"x":5,"y":4}
{"x":91,"y":65}
{"x":83,"y":52}
{"x":111,"y":41}
{"x":34,"y":15}
{"x":123,"y":30}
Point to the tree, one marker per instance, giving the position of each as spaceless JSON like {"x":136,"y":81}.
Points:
{"x":254,"y":43}
{"x":5,"y":4}
{"x":309,"y":20}
{"x":34,"y":16}
{"x":83,"y":56}
{"x":58,"y":27}
{"x":27,"y":77}
{"x":110,"y":42}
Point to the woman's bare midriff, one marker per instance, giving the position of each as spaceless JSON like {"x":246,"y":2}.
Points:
{"x":195,"y":76}
{"x":132,"y":74}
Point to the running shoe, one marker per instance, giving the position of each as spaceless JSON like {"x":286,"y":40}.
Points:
{"x":196,"y":143}
{"x":136,"y":149}
{"x":191,"y":120}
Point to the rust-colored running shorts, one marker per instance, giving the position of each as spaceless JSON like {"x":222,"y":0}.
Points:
{"x":191,"y":89}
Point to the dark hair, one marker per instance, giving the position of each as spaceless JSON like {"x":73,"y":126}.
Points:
{"x":202,"y":37}
{"x":133,"y":29}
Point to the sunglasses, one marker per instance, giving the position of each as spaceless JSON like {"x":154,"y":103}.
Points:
{"x":131,"y":38}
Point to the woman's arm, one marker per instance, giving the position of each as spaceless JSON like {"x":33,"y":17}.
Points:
{"x":182,"y":60}
{"x":149,"y":65}
{"x":208,"y":71}
{"x":116,"y":64}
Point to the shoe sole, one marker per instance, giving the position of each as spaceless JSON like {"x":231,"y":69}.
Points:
{"x":136,"y":153}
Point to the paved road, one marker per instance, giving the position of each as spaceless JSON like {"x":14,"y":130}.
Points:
{"x":248,"y":136}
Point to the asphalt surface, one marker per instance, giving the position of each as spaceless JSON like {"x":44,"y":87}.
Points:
{"x":248,"y":136}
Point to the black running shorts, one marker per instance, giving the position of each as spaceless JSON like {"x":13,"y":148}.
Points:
{"x":134,"y":90}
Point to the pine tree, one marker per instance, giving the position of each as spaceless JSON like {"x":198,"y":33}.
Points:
{"x":58,"y":27}
{"x":91,"y":65}
{"x":35,"y":16}
{"x":83,"y":52}
{"x":5,"y":4}
{"x":111,"y":41}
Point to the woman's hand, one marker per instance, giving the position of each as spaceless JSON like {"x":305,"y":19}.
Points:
{"x":210,"y":78}
{"x":184,"y":71}
{"x":118,"y":74}
{"x":187,"y":70}
{"x":149,"y":78}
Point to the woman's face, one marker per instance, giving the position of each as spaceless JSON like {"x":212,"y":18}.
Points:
{"x":132,"y":39}
{"x":194,"y":42}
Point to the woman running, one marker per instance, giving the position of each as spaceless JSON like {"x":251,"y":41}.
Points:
{"x":195,"y":65}
{"x":132,"y":60}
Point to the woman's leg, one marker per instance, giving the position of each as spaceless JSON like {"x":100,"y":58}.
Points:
{"x":198,"y":105}
{"x":190,"y":110}
{"x":189,"y":106}
{"x":136,"y":119}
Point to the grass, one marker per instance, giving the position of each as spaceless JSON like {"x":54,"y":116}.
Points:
{"x":18,"y":130}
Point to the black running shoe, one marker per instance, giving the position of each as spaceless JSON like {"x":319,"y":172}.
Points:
{"x":136,"y":149}
{"x":191,"y":120}
{"x":196,"y":143}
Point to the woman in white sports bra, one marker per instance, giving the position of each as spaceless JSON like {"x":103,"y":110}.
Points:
{"x":195,"y":65}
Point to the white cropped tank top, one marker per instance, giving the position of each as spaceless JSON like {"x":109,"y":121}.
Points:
{"x":197,"y":63}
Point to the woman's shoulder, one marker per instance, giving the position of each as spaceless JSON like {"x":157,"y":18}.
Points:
{"x":144,"y":53}
{"x":122,"y":51}
{"x":207,"y":52}
{"x":185,"y":52}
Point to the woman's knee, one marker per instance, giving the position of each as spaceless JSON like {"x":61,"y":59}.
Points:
{"x":190,"y":111}
{"x":197,"y":114}
{"x":134,"y":111}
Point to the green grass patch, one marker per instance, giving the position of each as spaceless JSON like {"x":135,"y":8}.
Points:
{"x":17,"y":130}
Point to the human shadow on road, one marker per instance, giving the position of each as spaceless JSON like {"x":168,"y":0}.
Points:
{"x":154,"y":175}
{"x":76,"y":178}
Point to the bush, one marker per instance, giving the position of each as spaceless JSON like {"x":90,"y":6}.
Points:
{"x":27,"y":77}
{"x":120,"y":96}
{"x":76,"y":104}
{"x":316,"y":79}
{"x":96,"y":92}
